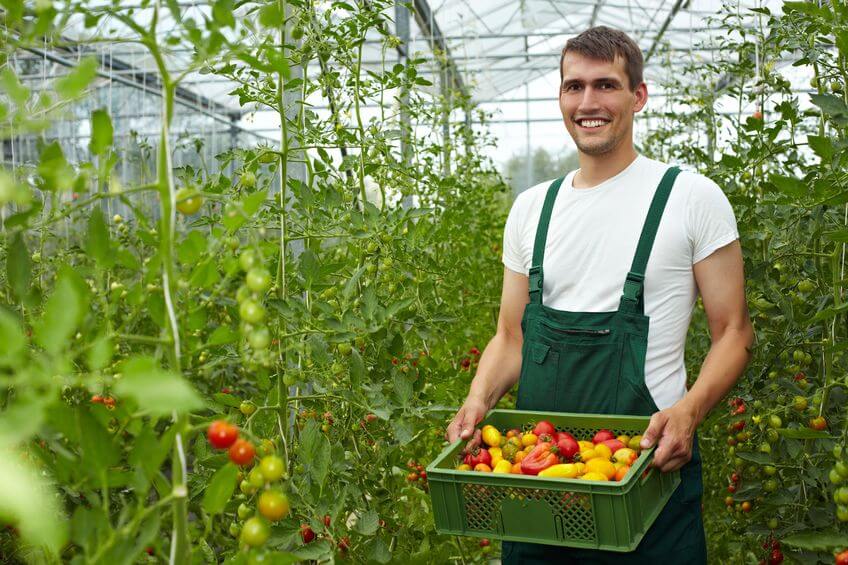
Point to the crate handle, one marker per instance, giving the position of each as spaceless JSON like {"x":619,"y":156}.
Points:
{"x":647,"y":475}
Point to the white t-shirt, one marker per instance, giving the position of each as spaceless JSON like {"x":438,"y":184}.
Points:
{"x":591,"y":241}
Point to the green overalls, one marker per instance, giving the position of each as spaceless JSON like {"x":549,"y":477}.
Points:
{"x":594,"y":362}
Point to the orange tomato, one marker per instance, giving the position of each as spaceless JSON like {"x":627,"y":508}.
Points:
{"x":482,"y":467}
{"x":516,"y":469}
{"x":519,"y":456}
{"x":622,"y":472}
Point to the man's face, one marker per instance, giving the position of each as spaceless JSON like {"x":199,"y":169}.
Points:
{"x":596,"y":103}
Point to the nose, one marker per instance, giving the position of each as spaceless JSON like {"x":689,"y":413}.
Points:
{"x":588,"y":101}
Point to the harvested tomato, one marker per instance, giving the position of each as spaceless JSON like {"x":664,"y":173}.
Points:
{"x":602,"y":436}
{"x":221,"y":434}
{"x":242,"y":452}
{"x":567,"y":447}
{"x":544,"y":427}
{"x":559,"y":435}
{"x":614,"y":444}
{"x":477,"y":456}
{"x":539,"y":459}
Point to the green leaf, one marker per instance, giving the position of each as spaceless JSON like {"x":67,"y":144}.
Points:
{"x":30,"y":504}
{"x":99,"y":451}
{"x":100,"y":353}
{"x":816,"y":541}
{"x":101,"y":132}
{"x":18,"y":266}
{"x":830,"y":104}
{"x":222,"y":335}
{"x":839,"y":236}
{"x":803,"y":433}
{"x":316,"y":449}
{"x":253,"y":202}
{"x":12,"y":341}
{"x":76,"y":81}
{"x":821,"y":145}
{"x":761,"y":458}
{"x":309,"y":267}
{"x":160,"y":392}
{"x":220,"y":489}
{"x":368,"y":523}
{"x":379,"y":552}
{"x":270,"y":16}
{"x":222,"y":13}
{"x":97,"y":243}
{"x":54,"y":169}
{"x":62,"y":313}
{"x":13,"y":88}
{"x":789,"y":185}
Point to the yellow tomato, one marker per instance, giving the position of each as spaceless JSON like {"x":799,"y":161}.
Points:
{"x":519,"y":456}
{"x":563,"y":471}
{"x":581,"y":467}
{"x":584,"y":445}
{"x":503,"y":466}
{"x":626,"y":455}
{"x":463,"y":467}
{"x":482,"y":467}
{"x":496,"y":452}
{"x":516,"y":441}
{"x":491,"y":436}
{"x":529,"y":439}
{"x":623,"y":439}
{"x":496,"y":460}
{"x":594,"y":477}
{"x":602,"y":466}
{"x":588,"y":454}
{"x":603,"y":451}
{"x":634,"y":443}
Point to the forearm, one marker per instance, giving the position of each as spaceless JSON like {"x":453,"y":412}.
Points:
{"x":498,"y":370}
{"x":724,"y":364}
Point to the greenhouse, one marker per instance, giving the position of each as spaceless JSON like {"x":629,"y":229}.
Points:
{"x":435,"y":281}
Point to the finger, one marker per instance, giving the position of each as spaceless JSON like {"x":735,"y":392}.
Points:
{"x":475,"y":440}
{"x":655,"y":428}
{"x":467,"y":427}
{"x":675,"y":463}
{"x":453,"y":429}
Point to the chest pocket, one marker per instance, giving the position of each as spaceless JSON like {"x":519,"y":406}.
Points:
{"x":537,"y":384}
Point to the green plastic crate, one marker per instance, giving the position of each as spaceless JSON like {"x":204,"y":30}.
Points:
{"x":569,"y":512}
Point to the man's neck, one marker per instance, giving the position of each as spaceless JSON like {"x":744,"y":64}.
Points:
{"x":595,"y":169}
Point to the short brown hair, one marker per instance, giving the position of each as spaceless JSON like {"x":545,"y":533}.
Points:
{"x":604,"y":44}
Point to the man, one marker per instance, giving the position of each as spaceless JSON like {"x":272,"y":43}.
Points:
{"x":616,"y":254}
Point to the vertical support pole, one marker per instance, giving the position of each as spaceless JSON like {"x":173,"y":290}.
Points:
{"x":528,"y":167}
{"x":402,"y":32}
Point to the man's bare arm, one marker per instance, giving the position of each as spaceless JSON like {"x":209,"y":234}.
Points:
{"x":500,"y":363}
{"x":720,"y":279}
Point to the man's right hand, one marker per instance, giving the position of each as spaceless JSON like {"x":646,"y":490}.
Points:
{"x":464,"y":423}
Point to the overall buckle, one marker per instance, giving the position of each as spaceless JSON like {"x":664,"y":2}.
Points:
{"x":633,"y":287}
{"x":536,"y":280}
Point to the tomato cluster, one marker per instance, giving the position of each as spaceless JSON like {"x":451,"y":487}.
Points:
{"x":838,"y":475}
{"x":272,"y":503}
{"x":257,"y":282}
{"x":546,"y":452}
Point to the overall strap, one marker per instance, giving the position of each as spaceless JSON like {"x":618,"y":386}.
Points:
{"x":536,"y":273}
{"x":633,"y":298}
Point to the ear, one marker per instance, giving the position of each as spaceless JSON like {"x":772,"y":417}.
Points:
{"x":641,"y":97}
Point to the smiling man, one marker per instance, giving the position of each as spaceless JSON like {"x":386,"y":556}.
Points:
{"x":602,"y":270}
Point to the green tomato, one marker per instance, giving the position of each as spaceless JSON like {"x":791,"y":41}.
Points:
{"x":770,"y":485}
{"x":244,"y":511}
{"x":248,"y":259}
{"x":248,"y":179}
{"x":243,"y":293}
{"x":345,"y":348}
{"x":258,"y":280}
{"x":256,"y":478}
{"x":772,"y":523}
{"x":246,"y":487}
{"x":255,"y":532}
{"x":247,"y":407}
{"x":251,"y":312}
{"x":841,"y":496}
{"x":189,"y":201}
{"x":772,"y":435}
{"x":765,"y":447}
{"x":842,"y":469}
{"x":289,"y":378}
{"x":835,"y":477}
{"x":273,"y":467}
{"x":842,"y":513}
{"x":770,"y":470}
{"x":775,"y":422}
{"x":234,"y":530}
{"x":259,"y":338}
{"x":800,"y":403}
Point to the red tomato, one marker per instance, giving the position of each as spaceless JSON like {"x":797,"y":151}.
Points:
{"x":818,"y":423}
{"x":538,"y":460}
{"x":559,"y":435}
{"x":478,"y":456}
{"x":222,"y":434}
{"x":567,"y":447}
{"x":614,"y":444}
{"x":242,"y":452}
{"x":602,"y":436}
{"x":306,"y":533}
{"x":842,"y":558}
{"x":544,"y":427}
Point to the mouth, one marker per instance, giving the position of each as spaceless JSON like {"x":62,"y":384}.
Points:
{"x":591,"y":124}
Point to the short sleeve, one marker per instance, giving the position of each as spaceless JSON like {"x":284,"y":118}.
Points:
{"x":513,"y":256}
{"x":711,"y":223}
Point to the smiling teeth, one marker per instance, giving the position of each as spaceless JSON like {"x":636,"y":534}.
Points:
{"x":592,"y":123}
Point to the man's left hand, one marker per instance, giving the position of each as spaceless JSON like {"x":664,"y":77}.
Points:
{"x":672,"y":431}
